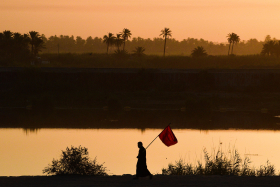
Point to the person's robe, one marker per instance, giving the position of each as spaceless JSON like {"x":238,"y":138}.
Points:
{"x":141,"y":168}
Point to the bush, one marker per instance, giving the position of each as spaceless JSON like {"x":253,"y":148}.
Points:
{"x":180,"y":168}
{"x":220,"y":164}
{"x":75,"y":161}
{"x":267,"y":170}
{"x":199,"y":51}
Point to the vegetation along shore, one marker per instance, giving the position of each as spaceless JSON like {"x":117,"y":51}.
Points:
{"x":120,"y":52}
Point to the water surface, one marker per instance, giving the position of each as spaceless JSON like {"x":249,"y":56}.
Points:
{"x":26,"y":152}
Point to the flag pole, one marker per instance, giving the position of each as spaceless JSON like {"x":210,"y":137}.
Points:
{"x":157,"y":136}
{"x":152,"y":142}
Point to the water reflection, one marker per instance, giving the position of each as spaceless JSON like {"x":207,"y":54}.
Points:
{"x":28,"y":155}
{"x":28,"y":131}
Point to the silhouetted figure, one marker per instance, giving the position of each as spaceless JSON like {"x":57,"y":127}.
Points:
{"x":141,"y":167}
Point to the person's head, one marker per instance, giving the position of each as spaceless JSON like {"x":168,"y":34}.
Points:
{"x":140,"y":144}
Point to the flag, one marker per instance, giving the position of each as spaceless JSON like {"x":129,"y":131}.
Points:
{"x":168,"y":137}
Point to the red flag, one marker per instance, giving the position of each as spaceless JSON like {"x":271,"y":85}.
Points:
{"x":167,"y":137}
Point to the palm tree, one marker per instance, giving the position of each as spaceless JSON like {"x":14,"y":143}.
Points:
{"x":230,"y":40}
{"x":165,"y":33}
{"x":199,"y":52}
{"x":119,"y":41}
{"x":235,"y":40}
{"x":33,"y":36}
{"x":139,"y":51}
{"x":21,"y":43}
{"x":125,"y":35}
{"x":109,"y":40}
{"x":6,"y":43}
{"x":38,"y":45}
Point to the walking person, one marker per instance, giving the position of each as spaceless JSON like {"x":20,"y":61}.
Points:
{"x":141,"y":167}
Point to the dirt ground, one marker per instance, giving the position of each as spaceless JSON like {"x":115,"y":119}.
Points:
{"x":127,"y":181}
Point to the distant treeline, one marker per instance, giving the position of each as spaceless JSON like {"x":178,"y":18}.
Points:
{"x":15,"y":46}
{"x":19,"y":47}
{"x":71,"y":44}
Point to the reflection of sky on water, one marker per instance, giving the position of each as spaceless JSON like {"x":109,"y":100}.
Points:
{"x":28,"y":155}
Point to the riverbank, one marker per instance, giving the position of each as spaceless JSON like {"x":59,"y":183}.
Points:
{"x":127,"y":181}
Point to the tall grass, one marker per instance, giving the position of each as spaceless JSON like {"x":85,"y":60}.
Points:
{"x":220,"y":163}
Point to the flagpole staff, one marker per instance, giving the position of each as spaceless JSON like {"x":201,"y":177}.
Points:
{"x":152,"y":142}
{"x":157,"y":136}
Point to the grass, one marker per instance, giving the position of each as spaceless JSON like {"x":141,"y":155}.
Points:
{"x":220,"y":163}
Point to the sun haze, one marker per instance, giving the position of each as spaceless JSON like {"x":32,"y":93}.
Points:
{"x":210,"y":20}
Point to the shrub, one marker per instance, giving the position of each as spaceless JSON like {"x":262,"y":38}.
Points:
{"x":220,"y":164}
{"x":199,"y":52}
{"x":121,"y":54}
{"x":75,"y":161}
{"x":180,"y":168}
{"x":267,"y":170}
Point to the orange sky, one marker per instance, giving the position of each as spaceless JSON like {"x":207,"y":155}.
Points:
{"x":208,"y":19}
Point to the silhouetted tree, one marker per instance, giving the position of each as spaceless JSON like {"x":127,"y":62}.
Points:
{"x":36,"y":42}
{"x":199,"y":52}
{"x":7,"y":43}
{"x":75,"y":160}
{"x":119,"y":41}
{"x":152,"y":46}
{"x":89,"y":44}
{"x":8,"y":35}
{"x":271,"y":47}
{"x":268,"y":48}
{"x":267,"y":38}
{"x":14,"y":46}
{"x":235,"y":40}
{"x":33,"y":36}
{"x":109,"y":40}
{"x":38,"y":46}
{"x":139,"y":51}
{"x":277,"y":48}
{"x":165,"y":33}
{"x":230,"y":40}
{"x":121,"y":54}
{"x":80,"y":44}
{"x":21,"y":42}
{"x":125,"y":35}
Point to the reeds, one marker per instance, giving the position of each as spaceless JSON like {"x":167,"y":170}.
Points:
{"x":220,"y":163}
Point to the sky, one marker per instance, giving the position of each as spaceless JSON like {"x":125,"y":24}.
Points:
{"x":211,"y":20}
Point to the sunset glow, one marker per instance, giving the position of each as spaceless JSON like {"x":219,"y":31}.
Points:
{"x":210,"y":20}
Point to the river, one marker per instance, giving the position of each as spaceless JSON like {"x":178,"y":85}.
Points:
{"x":27,"y":152}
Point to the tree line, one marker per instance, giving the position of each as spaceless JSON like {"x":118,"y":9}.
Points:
{"x":20,"y":46}
{"x":157,"y":45}
{"x":271,"y":48}
{"x":16,"y":45}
